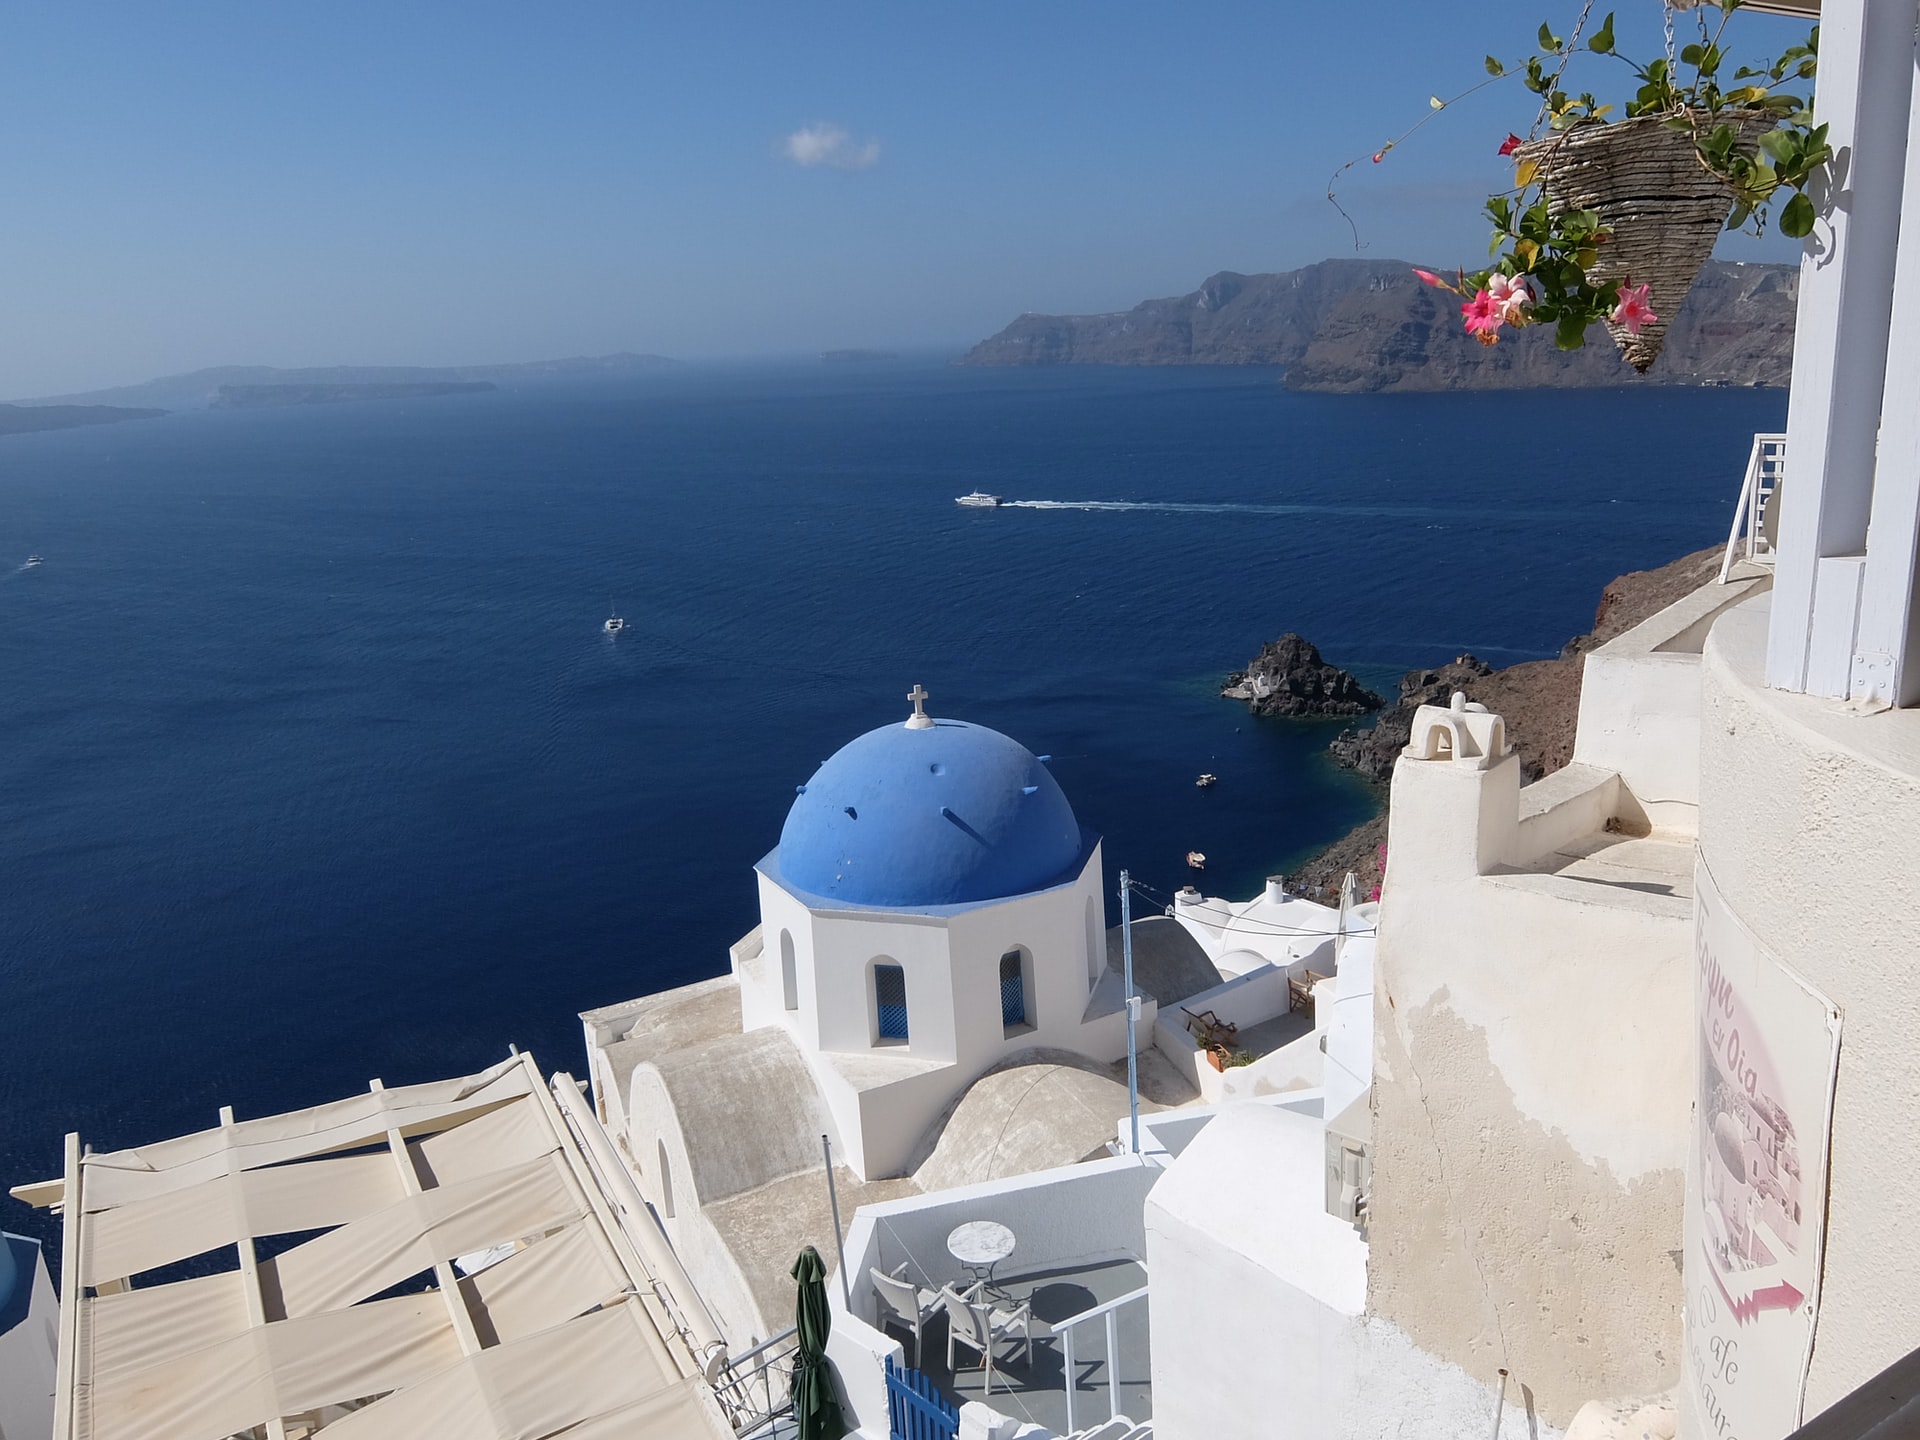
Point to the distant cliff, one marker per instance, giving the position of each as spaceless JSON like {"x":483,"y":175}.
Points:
{"x":1370,"y":325}
{"x":199,"y":389}
{"x":258,"y":397}
{"x":21,"y":419}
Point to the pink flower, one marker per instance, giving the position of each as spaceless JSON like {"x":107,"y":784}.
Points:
{"x":1511,"y":144}
{"x":1512,"y":294}
{"x":1427,"y":277}
{"x":1483,"y":317}
{"x":1633,"y":311}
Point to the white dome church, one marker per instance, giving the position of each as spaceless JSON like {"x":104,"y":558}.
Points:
{"x":933,"y":907}
{"x":934,"y":911}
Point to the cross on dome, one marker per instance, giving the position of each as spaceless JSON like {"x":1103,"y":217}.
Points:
{"x":919,"y":720}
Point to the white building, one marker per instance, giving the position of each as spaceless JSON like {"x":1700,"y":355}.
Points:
{"x":29,"y":1340}
{"x":932,"y":913}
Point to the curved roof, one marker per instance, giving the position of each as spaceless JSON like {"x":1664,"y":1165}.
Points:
{"x":1035,"y":1110}
{"x":908,"y":818}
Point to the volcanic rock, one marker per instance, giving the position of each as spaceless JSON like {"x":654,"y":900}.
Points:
{"x":1289,"y":678}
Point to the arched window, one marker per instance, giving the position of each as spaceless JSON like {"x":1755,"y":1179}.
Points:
{"x":789,"y":973}
{"x":1013,"y":990}
{"x":890,"y":1001}
{"x":666,"y":1181}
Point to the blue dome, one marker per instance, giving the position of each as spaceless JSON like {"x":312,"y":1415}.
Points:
{"x":948,"y":815}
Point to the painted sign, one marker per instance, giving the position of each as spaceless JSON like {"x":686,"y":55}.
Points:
{"x":1757,"y":1179}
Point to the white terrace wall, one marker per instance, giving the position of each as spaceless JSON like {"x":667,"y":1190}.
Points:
{"x":1258,"y":1322}
{"x":1531,"y":1081}
{"x":1075,"y":1215}
{"x":1640,"y":704}
{"x":1810,"y":827}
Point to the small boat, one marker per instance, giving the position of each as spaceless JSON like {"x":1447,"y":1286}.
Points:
{"x":33,"y":560}
{"x":1207,"y":780}
{"x":1195,"y":860}
{"x":980,"y":500}
{"x":614,"y":623}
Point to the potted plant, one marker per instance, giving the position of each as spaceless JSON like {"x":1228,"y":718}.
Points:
{"x":1611,"y":220}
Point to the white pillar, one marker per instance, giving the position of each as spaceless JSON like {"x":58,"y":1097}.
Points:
{"x":1884,"y":659}
{"x":1841,"y":344}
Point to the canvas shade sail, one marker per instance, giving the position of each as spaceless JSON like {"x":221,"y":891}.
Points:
{"x":125,"y":1175}
{"x":524,"y":1390}
{"x":279,"y":1369}
{"x":382,"y":1249}
{"x":549,"y":1341}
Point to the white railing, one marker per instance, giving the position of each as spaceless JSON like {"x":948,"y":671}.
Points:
{"x":1110,"y":1312}
{"x":756,"y":1389}
{"x":1765,"y":466}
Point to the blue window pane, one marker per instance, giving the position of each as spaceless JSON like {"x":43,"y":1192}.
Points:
{"x":890,"y":999}
{"x":1013,"y":991}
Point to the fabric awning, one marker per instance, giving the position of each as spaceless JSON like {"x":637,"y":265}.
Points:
{"x":364,"y":1329}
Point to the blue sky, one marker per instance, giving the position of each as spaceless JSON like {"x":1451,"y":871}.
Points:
{"x":194,"y":184}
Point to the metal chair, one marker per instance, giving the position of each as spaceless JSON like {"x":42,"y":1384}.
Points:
{"x":980,"y":1326}
{"x":905,"y":1301}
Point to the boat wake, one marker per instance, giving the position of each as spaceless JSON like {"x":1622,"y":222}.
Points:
{"x":1227,"y":507}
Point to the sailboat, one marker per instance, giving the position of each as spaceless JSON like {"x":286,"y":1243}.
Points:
{"x":614,"y":623}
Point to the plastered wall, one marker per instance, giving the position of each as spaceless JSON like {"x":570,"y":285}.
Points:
{"x":1531,"y":1081}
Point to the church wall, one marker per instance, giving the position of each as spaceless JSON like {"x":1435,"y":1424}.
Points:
{"x":1809,"y":825}
{"x":766,"y":1003}
{"x":1051,"y":927}
{"x":845,"y":946}
{"x":1532,"y":1077}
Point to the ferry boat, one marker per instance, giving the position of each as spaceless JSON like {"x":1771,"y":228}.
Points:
{"x":33,"y":560}
{"x":980,"y":500}
{"x":1207,"y":780}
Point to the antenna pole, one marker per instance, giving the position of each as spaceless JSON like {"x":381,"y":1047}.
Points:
{"x":1133,"y":1007}
{"x":839,"y":1248}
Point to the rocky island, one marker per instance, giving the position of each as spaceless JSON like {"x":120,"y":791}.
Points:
{"x":1344,"y":326}
{"x":24,"y":419}
{"x":260,"y":397}
{"x":1288,"y":678}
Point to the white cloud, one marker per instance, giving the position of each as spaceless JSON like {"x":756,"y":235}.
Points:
{"x":829,"y":145}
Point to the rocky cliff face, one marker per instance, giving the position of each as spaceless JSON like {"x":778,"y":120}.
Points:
{"x":1366,"y":325}
{"x":1289,"y":678}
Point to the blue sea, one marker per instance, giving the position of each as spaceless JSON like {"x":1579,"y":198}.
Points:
{"x":318,"y":765}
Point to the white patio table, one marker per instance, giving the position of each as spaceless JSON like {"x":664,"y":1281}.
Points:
{"x":980,"y":1245}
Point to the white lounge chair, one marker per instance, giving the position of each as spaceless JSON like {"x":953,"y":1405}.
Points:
{"x":979,"y":1325}
{"x":905,"y":1301}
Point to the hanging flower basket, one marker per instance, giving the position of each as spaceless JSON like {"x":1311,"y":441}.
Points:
{"x":1663,"y":209}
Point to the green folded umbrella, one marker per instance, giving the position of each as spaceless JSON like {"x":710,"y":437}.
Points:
{"x":815,"y":1410}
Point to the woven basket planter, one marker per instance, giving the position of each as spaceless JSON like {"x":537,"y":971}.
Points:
{"x":1664,"y":207}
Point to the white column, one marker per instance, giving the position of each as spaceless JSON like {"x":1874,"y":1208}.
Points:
{"x":1840,"y":346}
{"x":1886,"y":644}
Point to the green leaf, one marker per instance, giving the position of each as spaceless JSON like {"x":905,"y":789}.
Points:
{"x":1782,"y":145}
{"x":1739,"y":216}
{"x":1494,"y":67}
{"x":1570,"y":333}
{"x":1602,"y":41}
{"x":1796,"y":219}
{"x":1691,"y":54}
{"x":1548,"y":40}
